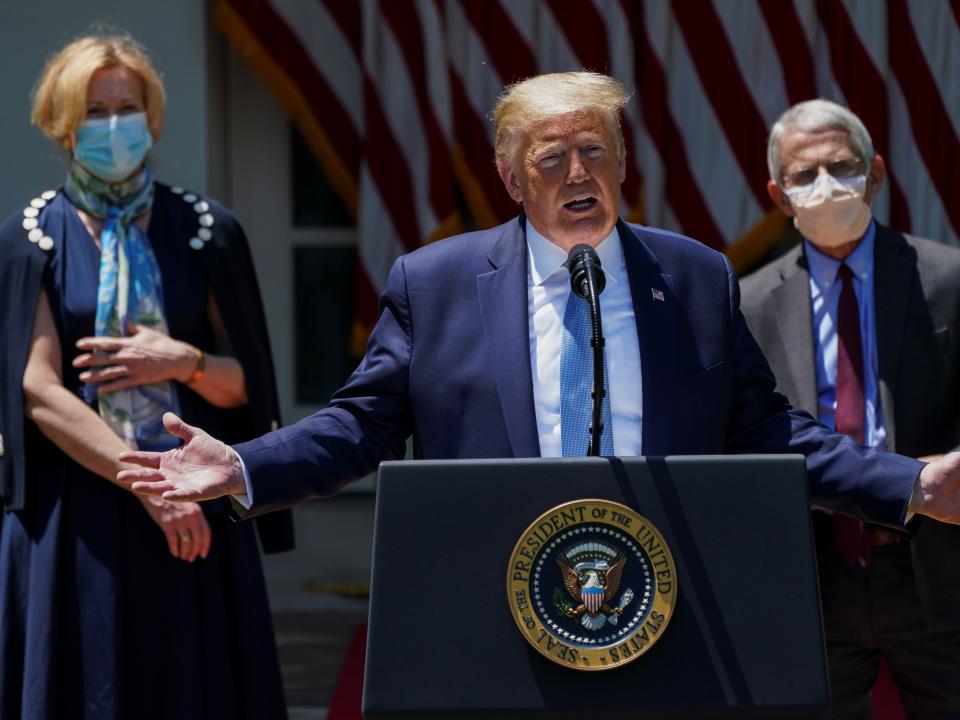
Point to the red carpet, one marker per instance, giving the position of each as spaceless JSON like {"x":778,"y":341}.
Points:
{"x":348,"y":694}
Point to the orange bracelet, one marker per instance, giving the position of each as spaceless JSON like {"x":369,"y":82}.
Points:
{"x":198,"y":369}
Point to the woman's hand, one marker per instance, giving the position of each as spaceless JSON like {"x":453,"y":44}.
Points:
{"x":183,"y":524}
{"x":142,"y":358}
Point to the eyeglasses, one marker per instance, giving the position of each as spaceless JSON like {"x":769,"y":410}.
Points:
{"x":840,"y":169}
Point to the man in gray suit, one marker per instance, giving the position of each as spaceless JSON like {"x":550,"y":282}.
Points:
{"x":861,"y":326}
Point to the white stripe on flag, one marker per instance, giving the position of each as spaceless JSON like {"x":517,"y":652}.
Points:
{"x":329,"y":50}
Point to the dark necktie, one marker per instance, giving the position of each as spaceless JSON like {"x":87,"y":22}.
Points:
{"x":850,"y":534}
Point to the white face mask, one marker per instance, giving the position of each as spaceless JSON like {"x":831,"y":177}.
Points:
{"x":831,"y":212}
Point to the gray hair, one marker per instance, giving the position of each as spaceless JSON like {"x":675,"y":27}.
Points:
{"x":814,"y":116}
{"x":543,"y":97}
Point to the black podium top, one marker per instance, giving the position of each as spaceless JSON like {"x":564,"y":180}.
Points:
{"x":745,"y":639}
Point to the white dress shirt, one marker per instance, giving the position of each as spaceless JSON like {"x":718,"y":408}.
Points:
{"x":548,"y":286}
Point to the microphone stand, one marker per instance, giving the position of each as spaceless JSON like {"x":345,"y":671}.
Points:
{"x":597,"y":342}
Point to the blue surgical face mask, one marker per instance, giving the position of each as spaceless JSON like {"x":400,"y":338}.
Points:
{"x":113,"y":148}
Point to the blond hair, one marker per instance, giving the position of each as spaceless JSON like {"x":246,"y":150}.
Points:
{"x":543,"y":97}
{"x":60,"y":95}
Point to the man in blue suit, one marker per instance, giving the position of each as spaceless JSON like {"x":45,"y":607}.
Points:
{"x":467,"y":355}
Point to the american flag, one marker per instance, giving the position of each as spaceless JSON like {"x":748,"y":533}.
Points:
{"x":393,"y":98}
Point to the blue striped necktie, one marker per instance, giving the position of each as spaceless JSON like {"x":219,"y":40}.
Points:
{"x":576,"y":383}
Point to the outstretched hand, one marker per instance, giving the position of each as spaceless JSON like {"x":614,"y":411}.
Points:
{"x":938,"y":491}
{"x":203,"y":468}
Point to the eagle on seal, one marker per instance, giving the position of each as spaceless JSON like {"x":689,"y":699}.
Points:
{"x":591,"y":583}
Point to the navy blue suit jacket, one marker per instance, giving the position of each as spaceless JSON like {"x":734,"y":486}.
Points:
{"x":449,"y":362}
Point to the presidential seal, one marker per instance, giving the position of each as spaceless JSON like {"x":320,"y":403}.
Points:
{"x":591,"y":584}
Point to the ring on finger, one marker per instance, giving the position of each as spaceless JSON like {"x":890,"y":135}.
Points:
{"x":184,"y":537}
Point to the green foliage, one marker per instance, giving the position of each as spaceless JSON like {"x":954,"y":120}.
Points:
{"x":561,"y":603}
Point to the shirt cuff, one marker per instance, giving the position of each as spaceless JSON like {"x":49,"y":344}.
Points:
{"x":246,"y":499}
{"x":914,"y":501}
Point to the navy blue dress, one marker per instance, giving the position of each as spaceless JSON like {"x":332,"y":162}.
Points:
{"x":97,"y":619}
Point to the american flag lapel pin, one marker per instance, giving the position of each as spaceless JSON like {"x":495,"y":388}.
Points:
{"x":657,"y":294}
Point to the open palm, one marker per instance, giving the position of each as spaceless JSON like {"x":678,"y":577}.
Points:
{"x":203,"y":468}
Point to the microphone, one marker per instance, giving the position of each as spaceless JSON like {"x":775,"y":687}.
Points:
{"x":587,"y":280}
{"x":583,"y":262}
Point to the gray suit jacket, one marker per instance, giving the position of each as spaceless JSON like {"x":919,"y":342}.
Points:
{"x":917,"y":304}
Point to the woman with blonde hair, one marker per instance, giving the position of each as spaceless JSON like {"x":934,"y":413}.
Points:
{"x":122,"y":299}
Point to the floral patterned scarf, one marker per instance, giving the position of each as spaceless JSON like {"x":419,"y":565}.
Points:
{"x":130,"y":293}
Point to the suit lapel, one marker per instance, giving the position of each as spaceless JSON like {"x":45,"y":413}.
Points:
{"x":892,"y":276}
{"x":656,"y":331}
{"x":504,"y":310}
{"x":790,"y":305}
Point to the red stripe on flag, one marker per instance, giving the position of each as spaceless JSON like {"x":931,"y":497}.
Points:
{"x":286,"y":50}
{"x":632,"y":180}
{"x":506,"y":48}
{"x":722,"y":83}
{"x":587,"y":34}
{"x":932,"y":129}
{"x":349,"y":19}
{"x":585,"y":31}
{"x":389,"y":170}
{"x":865,"y":91}
{"x":407,"y":31}
{"x":479,"y":156}
{"x":792,"y":48}
{"x":682,"y":191}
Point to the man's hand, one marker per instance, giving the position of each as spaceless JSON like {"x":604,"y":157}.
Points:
{"x":203,"y":468}
{"x":937,"y":494}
